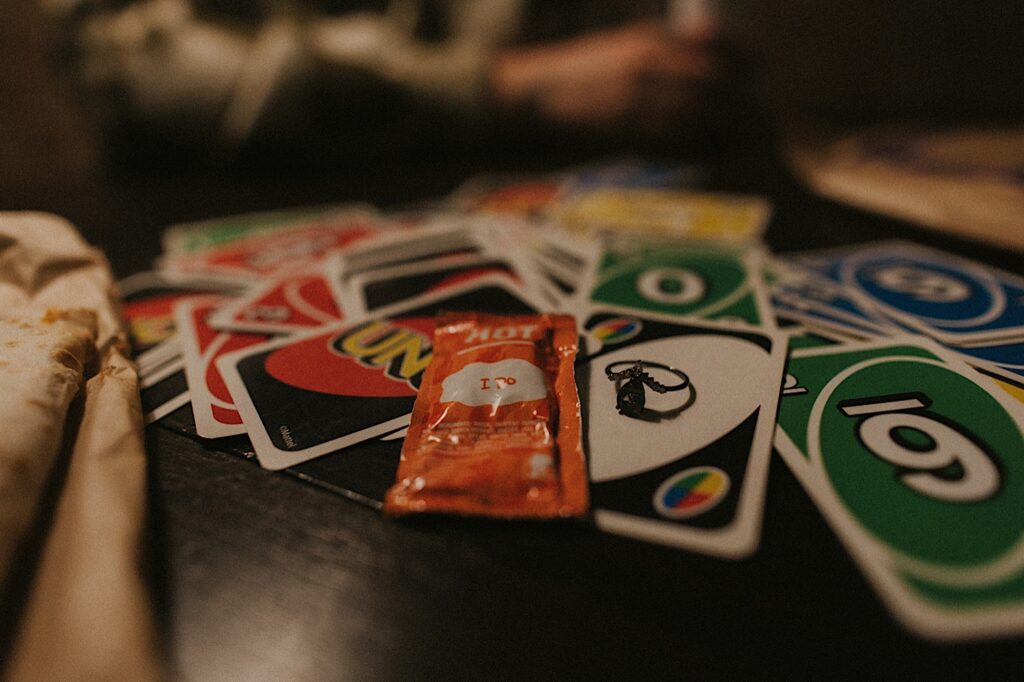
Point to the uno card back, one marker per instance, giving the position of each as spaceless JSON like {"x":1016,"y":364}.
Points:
{"x":308,"y":396}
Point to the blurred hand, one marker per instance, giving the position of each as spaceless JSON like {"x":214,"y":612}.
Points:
{"x":637,"y":78}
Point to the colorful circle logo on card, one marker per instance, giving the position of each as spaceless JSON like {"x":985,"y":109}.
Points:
{"x":691,"y":492}
{"x":616,"y":330}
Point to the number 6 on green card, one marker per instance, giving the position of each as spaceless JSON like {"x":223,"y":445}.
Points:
{"x":917,"y":462}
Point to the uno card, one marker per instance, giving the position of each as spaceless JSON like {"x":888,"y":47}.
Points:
{"x":565,"y":284}
{"x":388,"y":286}
{"x":147,"y":306}
{"x":160,"y":398}
{"x":310,"y":395}
{"x":689,"y":467}
{"x":443,"y":235}
{"x":157,"y":356}
{"x":691,"y":215}
{"x":510,"y":194}
{"x":917,"y":463}
{"x":157,"y":373}
{"x":809,"y":318}
{"x":1014,"y":388}
{"x":201,"y":345}
{"x":630,"y":173}
{"x":562,"y":260}
{"x":273,"y":252}
{"x":148,"y":300}
{"x":445,"y":240}
{"x":187,"y":238}
{"x":363,"y":474}
{"x":811,"y":313}
{"x":709,"y":281}
{"x":556,"y":288}
{"x":949,"y":298}
{"x":162,"y":383}
{"x":560,"y":276}
{"x":572,"y":254}
{"x":817,"y":300}
{"x":1003,"y":359}
{"x":285,"y":305}
{"x":802,"y":336}
{"x":405,"y":247}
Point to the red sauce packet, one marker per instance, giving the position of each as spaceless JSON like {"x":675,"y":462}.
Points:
{"x":496,"y":426}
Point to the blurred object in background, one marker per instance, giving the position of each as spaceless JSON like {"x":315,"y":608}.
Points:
{"x":299,"y":85}
{"x":874,"y":61}
{"x":43,"y":138}
{"x":969,"y":181}
{"x":913,"y":109}
{"x":310,"y":81}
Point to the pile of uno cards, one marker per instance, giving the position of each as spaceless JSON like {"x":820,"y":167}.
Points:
{"x":889,"y":376}
{"x":902,"y":417}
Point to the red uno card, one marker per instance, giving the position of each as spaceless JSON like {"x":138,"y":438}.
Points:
{"x":147,"y":302}
{"x":288,"y":304}
{"x":378,"y":289}
{"x":311,"y":395}
{"x":267,"y":254}
{"x":214,"y":409}
{"x":509,"y":194}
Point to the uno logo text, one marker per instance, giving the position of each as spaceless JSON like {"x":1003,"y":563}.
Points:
{"x":403,"y":353}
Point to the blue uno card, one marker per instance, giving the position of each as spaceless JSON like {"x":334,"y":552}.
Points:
{"x":632,"y":174}
{"x":1004,"y":358}
{"x":952,"y":299}
{"x":819,"y":301}
{"x":812,"y":316}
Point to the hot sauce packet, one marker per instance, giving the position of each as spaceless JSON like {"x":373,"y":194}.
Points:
{"x":496,"y":425}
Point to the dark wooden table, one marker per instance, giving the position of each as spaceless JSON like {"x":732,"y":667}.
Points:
{"x":260,"y":576}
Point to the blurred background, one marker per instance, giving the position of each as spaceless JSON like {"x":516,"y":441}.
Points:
{"x":134,"y":112}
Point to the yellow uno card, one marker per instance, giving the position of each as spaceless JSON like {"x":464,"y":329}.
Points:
{"x":692,"y":215}
{"x":1014,"y":390}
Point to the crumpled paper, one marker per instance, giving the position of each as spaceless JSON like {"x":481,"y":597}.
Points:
{"x":43,"y":358}
{"x":89,"y":614}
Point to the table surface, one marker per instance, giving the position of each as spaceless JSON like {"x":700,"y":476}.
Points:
{"x":260,"y":576}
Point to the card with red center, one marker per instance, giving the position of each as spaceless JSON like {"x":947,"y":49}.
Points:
{"x":275,"y":252}
{"x":201,"y":345}
{"x":291,"y":303}
{"x":317,"y":393}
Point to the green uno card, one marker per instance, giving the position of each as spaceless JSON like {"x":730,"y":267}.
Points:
{"x":801,"y":336}
{"x":708,"y":281}
{"x":187,"y":238}
{"x":809,"y":339}
{"x":917,"y":462}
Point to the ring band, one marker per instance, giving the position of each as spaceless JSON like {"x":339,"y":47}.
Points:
{"x":636,"y":371}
